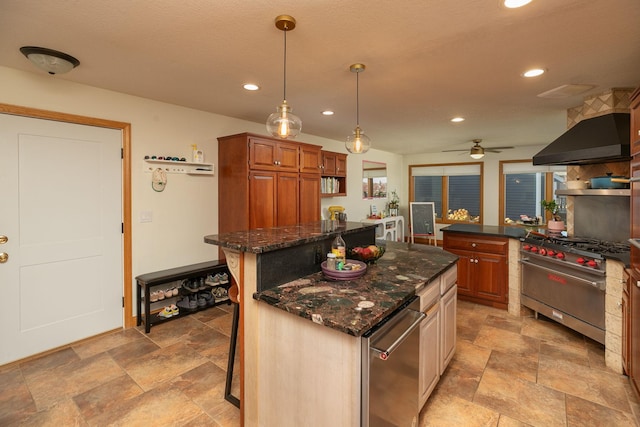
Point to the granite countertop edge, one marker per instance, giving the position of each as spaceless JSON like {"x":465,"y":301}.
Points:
{"x":490,"y":230}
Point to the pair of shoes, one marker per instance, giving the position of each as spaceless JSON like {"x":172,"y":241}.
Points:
{"x":208,"y":298}
{"x":172,"y":292}
{"x":156,"y":296}
{"x":191,"y":285}
{"x":219,"y":292}
{"x":213,"y":279}
{"x":188,"y":303}
{"x":169,"y":311}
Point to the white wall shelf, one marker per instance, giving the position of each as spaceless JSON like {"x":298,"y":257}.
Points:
{"x":170,"y":166}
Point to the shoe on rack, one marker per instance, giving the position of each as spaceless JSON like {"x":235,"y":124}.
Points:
{"x":165,"y":313}
{"x":224,"y":278}
{"x":202,"y":285}
{"x":176,"y":291}
{"x":188,"y":286}
{"x":160,"y":295}
{"x":208,"y":298}
{"x":153,"y":297}
{"x":200,"y":300}
{"x":187,"y":304}
{"x":174,"y":310}
{"x":214,"y":279}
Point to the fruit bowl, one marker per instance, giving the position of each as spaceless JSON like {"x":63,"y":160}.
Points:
{"x":369,"y":254}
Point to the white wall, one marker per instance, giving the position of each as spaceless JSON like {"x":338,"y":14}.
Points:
{"x":188,"y":208}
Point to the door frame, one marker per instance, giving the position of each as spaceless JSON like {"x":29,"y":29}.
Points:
{"x":128,"y":320}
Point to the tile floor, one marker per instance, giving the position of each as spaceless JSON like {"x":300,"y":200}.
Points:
{"x":506,"y":372}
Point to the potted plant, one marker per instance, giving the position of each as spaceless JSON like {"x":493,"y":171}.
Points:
{"x":555,"y":223}
{"x":394,"y":203}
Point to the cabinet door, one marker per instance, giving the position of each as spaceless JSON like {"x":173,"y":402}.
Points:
{"x":262,"y":199}
{"x":491,"y":276}
{"x":634,"y":309}
{"x":309,"y":197}
{"x":635,"y":122}
{"x":310,"y":159}
{"x":341,"y":164}
{"x":328,"y":163}
{"x":262,"y":154}
{"x":448,"y":307}
{"x":429,"y":365}
{"x":626,"y":325}
{"x":466,"y":267}
{"x":288,"y":156}
{"x":287,"y":198}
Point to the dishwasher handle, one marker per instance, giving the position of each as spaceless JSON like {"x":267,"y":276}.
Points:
{"x":384,"y":354}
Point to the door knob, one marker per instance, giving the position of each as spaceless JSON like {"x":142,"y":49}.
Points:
{"x":4,"y":257}
{"x":3,"y":239}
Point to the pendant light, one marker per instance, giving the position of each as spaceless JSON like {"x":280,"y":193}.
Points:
{"x":357,"y":143}
{"x":283,"y":124}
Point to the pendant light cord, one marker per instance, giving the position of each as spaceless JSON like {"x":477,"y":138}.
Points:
{"x":358,"y":99}
{"x":284,"y":94}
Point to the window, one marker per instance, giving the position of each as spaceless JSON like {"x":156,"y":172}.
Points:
{"x":523,"y":186}
{"x":455,"y":189}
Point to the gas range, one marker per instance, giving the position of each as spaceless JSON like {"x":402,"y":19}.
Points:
{"x":573,"y":251}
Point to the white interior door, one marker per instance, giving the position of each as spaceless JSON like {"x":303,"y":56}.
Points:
{"x":61,"y":211}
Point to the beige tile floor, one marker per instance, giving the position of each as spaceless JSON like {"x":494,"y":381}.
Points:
{"x":507,"y":372}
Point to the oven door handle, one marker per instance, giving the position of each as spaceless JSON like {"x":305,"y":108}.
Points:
{"x":579,"y":279}
{"x":384,"y":354}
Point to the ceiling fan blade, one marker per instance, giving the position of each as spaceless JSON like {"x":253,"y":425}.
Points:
{"x":451,"y":151}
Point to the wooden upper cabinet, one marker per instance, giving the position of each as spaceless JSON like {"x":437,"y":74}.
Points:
{"x":310,"y":159}
{"x":328,"y":163}
{"x":266,"y":154}
{"x":341,"y":164}
{"x":635,"y":122}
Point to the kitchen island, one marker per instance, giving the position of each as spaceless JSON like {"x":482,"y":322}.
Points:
{"x":300,"y":340}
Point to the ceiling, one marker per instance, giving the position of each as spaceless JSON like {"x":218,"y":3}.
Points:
{"x":427,"y":61}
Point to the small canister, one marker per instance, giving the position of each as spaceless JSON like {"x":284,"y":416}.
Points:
{"x":331,"y":261}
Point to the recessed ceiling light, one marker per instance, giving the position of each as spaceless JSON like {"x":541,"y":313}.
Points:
{"x":513,"y":4}
{"x":535,"y":72}
{"x":327,"y":113}
{"x":457,"y":119}
{"x":250,"y":86}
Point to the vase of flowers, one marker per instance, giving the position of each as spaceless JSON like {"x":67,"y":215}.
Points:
{"x":394,"y":204}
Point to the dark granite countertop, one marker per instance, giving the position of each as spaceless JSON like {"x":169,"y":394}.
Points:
{"x":491,"y":230}
{"x":393,"y":280}
{"x":271,"y":239}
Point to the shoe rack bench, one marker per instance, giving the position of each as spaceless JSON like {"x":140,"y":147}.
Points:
{"x":147,"y":311}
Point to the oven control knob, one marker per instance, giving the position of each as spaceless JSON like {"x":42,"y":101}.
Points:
{"x":581,"y":260}
{"x":542,"y":251}
{"x":550,"y":253}
{"x":560,"y":255}
{"x":592,"y":263}
{"x":534,"y":249}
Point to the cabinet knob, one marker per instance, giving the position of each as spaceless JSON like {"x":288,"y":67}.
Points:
{"x":4,"y":257}
{"x":473,"y":245}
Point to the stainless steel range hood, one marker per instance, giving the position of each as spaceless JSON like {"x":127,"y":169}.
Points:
{"x":596,"y":140}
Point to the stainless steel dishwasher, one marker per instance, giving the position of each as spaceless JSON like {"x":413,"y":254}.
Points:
{"x":390,"y":352}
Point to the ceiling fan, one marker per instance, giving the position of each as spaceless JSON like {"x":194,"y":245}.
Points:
{"x":477,"y":151}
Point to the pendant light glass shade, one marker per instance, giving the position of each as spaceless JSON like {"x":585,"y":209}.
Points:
{"x":358,"y":142}
{"x":283,"y":123}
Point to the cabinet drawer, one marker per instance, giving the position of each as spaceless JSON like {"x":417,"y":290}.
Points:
{"x":430,"y":294}
{"x":476,"y":243}
{"x":448,"y":279}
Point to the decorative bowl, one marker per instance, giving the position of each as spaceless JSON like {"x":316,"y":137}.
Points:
{"x":360,"y":269}
{"x":369,"y":254}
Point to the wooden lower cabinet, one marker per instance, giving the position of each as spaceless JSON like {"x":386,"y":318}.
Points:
{"x":626,"y":323}
{"x":483,"y":267}
{"x":634,"y":333}
{"x":309,"y":203}
{"x":448,"y":309}
{"x":429,"y":353}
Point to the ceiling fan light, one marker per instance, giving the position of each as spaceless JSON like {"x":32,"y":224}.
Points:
{"x":49,"y":60}
{"x":477,"y":152}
